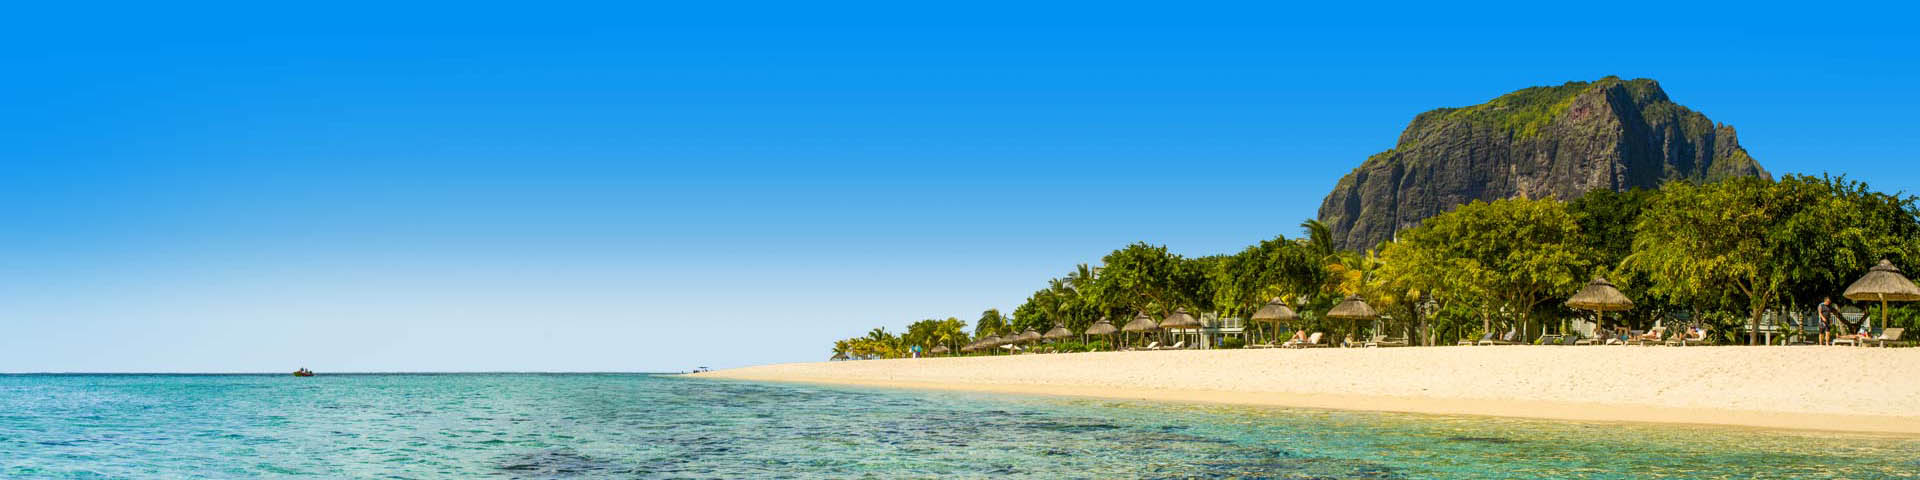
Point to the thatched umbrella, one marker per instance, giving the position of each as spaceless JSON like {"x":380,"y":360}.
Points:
{"x":1180,"y":319}
{"x":1353,"y":308}
{"x":1141,"y":323}
{"x":1057,"y":333}
{"x":1600,"y":296}
{"x":1027,"y":337}
{"x":941,"y":350}
{"x":1103,"y":327}
{"x":1885,"y":284}
{"x":989,"y":343}
{"x":1275,"y":312}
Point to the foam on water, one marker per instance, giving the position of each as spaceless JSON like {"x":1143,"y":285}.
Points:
{"x":643,"y":426}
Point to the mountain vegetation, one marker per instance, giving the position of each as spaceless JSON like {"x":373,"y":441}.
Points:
{"x":1555,"y":142}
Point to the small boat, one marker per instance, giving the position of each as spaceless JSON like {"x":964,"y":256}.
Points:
{"x":303,"y":372}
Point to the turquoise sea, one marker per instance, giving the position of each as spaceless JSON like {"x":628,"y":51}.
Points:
{"x":651,"y":426}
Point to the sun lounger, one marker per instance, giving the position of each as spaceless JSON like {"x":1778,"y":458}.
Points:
{"x":1651,"y":337}
{"x":1680,"y":339}
{"x":1483,"y":338}
{"x":1176,"y":346}
{"x":1549,"y":339}
{"x":1890,"y":335}
{"x":1380,"y":341}
{"x":1312,"y":341}
{"x":1504,"y":340}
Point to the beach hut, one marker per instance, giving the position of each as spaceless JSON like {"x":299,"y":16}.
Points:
{"x":1180,"y":319}
{"x":1883,"y":283}
{"x":1141,"y":323}
{"x":1353,"y":308}
{"x":1275,"y":312}
{"x":1103,"y":327}
{"x":1600,"y":296}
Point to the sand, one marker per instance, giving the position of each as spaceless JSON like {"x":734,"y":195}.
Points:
{"x":1810,"y":387}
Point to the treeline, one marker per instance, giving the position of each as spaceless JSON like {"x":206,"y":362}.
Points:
{"x":1719,"y":254}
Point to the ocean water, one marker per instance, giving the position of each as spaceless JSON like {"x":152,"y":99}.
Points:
{"x":648,"y":426}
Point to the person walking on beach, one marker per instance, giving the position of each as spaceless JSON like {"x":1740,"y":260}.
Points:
{"x":1827,"y":316}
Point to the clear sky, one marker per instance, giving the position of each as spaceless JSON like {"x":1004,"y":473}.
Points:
{"x":560,"y":186}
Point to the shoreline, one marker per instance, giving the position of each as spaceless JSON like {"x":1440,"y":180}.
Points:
{"x":1782,"y":388}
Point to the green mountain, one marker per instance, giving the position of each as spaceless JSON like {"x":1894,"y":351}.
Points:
{"x":1538,"y":142}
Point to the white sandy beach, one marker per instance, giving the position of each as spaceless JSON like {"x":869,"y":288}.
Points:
{"x":1818,"y":388}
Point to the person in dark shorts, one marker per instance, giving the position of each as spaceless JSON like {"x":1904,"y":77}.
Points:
{"x":1828,"y":316}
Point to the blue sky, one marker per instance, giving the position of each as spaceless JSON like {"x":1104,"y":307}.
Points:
{"x":631,"y":187}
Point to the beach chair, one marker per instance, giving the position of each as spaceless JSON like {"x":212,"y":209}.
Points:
{"x":1312,"y":341}
{"x":1483,"y":338}
{"x":1550,"y":339}
{"x":1890,"y":335}
{"x":1567,"y":341}
{"x":1381,"y":341}
{"x":1317,"y":341}
{"x":1651,"y":337}
{"x":1503,"y":340}
{"x":1176,"y":346}
{"x":1681,"y":339}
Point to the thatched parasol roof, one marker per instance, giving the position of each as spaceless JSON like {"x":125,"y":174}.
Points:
{"x":838,"y":356}
{"x":1275,"y":311}
{"x":941,"y":349}
{"x":1353,"y":308}
{"x":1058,"y":332}
{"x":1883,"y":283}
{"x":990,"y":341}
{"x":1599,"y":295}
{"x":1140,"y":323}
{"x":1102,"y":327}
{"x":1180,"y":319}
{"x":1028,"y":336}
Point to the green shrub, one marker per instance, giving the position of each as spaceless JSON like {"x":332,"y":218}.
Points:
{"x":1233,"y":343}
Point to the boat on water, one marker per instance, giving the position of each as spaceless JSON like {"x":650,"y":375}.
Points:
{"x":303,"y":372}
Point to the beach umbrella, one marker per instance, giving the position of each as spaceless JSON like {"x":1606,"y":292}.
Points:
{"x":1275,"y":312}
{"x":1883,"y":283}
{"x":1180,"y":319}
{"x":1103,"y":327}
{"x":1600,"y":296}
{"x":1353,"y":308}
{"x":1057,"y":333}
{"x":1027,"y":337}
{"x":989,"y":342}
{"x":1141,"y":323}
{"x":941,"y":350}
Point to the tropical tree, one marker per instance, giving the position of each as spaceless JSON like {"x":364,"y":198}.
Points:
{"x":1513,"y":255}
{"x":1144,"y":277}
{"x":991,"y":323}
{"x":1698,"y":239}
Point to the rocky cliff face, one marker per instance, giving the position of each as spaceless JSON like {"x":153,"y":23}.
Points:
{"x":1539,"y":142}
